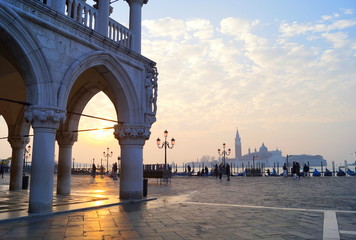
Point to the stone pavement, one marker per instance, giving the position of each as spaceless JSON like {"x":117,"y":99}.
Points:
{"x":202,"y":208}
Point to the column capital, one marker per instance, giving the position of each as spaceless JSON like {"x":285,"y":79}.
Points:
{"x":45,"y":116}
{"x":66,"y":138}
{"x":18,"y":142}
{"x":137,"y":1}
{"x":132,"y":134}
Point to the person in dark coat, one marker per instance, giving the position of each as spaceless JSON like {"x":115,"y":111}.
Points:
{"x":227,"y":169}
{"x":298,"y":169}
{"x":306,"y":170}
{"x":221,"y":170}
{"x":114,"y":171}
{"x":93,"y":171}
{"x":2,"y":170}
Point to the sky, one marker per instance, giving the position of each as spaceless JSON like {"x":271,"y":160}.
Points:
{"x":282,"y":72}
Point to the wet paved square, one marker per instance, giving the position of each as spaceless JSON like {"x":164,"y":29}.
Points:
{"x":206,"y":208}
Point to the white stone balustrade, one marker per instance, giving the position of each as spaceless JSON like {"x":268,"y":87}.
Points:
{"x":83,"y":13}
{"x":120,"y":34}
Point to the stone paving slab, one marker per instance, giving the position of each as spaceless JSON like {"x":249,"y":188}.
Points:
{"x":207,"y":208}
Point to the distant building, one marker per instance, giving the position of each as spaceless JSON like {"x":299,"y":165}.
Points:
{"x":311,"y":160}
{"x":271,"y":158}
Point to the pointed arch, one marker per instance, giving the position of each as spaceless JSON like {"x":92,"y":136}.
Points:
{"x":28,"y":57}
{"x":119,"y":88}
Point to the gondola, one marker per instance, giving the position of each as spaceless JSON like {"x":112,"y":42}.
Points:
{"x":350,"y":172}
{"x":316,"y":173}
{"x":340,"y":173}
{"x":328,"y":173}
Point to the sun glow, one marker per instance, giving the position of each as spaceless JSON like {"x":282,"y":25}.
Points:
{"x":94,"y":130}
{"x":100,"y":134}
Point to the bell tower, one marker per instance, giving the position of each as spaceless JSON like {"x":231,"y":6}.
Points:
{"x":238,"y":152}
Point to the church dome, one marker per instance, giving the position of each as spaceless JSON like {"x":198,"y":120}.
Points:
{"x":263,"y":148}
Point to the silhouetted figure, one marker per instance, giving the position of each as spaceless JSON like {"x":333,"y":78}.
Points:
{"x":285,"y":171}
{"x":227,"y":170}
{"x":306,"y":170}
{"x":298,"y":169}
{"x":216,"y":170}
{"x":2,"y":169}
{"x":93,"y":171}
{"x":114,"y":171}
{"x":189,"y":169}
{"x":221,"y":170}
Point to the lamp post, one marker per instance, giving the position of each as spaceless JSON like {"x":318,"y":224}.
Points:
{"x":165,"y":144}
{"x":107,"y":155}
{"x":224,"y":153}
{"x":26,"y":155}
{"x":73,"y":163}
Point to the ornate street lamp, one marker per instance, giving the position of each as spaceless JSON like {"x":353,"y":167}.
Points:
{"x":165,"y":144}
{"x":224,"y":153}
{"x":107,"y":155}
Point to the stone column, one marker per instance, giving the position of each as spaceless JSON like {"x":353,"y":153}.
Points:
{"x":102,"y":22}
{"x":45,"y":121}
{"x":132,"y":139}
{"x":18,"y":145}
{"x":65,"y":141}
{"x":135,"y":22}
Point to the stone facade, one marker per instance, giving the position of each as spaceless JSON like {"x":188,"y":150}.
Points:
{"x":55,"y":60}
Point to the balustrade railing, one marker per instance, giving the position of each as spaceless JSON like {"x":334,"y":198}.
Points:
{"x":81,"y":12}
{"x":120,"y":34}
{"x":87,"y":15}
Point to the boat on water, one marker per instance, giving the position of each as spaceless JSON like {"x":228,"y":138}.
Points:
{"x":350,"y":172}
{"x":340,"y":173}
{"x":316,"y":173}
{"x":328,"y":173}
{"x":242,"y":173}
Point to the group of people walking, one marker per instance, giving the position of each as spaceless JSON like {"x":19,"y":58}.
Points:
{"x":113,"y":174}
{"x":295,"y":170}
{"x":218,"y":171}
{"x":221,"y":169}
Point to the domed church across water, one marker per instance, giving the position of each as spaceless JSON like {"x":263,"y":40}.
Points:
{"x":272,"y":158}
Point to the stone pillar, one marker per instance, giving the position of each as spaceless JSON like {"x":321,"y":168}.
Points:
{"x":45,"y":121}
{"x":57,"y":5}
{"x":135,"y":22}
{"x":102,"y":22}
{"x":132,"y":139}
{"x":65,"y":141}
{"x":18,"y":145}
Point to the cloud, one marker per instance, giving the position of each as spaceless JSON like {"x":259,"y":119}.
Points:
{"x":178,"y":30}
{"x":232,"y":72}
{"x":294,"y":29}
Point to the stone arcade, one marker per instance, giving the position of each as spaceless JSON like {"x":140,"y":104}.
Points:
{"x":56,"y":55}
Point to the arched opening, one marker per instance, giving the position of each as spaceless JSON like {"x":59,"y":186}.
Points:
{"x":96,"y":135}
{"x":95,"y":92}
{"x":5,"y":148}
